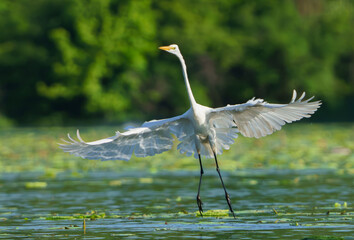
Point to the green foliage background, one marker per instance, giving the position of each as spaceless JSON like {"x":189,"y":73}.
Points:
{"x":66,"y":61}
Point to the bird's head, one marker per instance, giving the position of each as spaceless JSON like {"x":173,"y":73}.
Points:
{"x":173,"y":48}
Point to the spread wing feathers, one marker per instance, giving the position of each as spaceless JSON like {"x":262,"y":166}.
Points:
{"x":225,"y":132}
{"x":257,"y":118}
{"x":151,"y":138}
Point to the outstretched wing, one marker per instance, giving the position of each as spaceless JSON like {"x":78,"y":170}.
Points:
{"x":257,"y":118}
{"x":151,"y":138}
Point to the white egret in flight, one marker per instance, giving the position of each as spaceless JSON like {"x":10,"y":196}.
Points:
{"x":201,"y":130}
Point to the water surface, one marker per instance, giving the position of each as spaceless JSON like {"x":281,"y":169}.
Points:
{"x":269,"y":204}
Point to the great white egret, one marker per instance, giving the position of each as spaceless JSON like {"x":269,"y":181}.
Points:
{"x":201,"y":130}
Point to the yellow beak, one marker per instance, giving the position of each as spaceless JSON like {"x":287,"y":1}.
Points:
{"x":166,"y":48}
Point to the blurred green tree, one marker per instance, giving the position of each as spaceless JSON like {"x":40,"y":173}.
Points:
{"x":65,"y":60}
{"x":73,"y":58}
{"x":243,"y":49}
{"x":103,"y":59}
{"x":26,"y":55}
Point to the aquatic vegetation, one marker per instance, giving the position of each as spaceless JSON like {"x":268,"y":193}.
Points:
{"x":295,"y":184}
{"x":339,"y":205}
{"x":214,"y":213}
{"x":90,"y":215}
{"x":323,"y":238}
{"x":146,"y":180}
{"x":35,"y":184}
{"x":299,"y":146}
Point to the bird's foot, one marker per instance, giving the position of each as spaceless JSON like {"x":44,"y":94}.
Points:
{"x":199,"y":202}
{"x":229,"y":204}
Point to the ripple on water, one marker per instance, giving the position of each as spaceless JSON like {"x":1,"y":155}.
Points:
{"x":269,"y":204}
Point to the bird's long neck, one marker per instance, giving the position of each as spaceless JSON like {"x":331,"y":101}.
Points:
{"x":188,"y":86}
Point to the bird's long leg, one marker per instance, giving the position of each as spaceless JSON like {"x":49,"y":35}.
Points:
{"x":199,"y":201}
{"x":222,"y":182}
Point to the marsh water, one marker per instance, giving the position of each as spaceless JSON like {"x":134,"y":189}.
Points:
{"x":268,"y":203}
{"x":278,"y":191}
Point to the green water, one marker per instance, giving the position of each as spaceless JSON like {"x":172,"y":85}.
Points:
{"x":294,"y":184}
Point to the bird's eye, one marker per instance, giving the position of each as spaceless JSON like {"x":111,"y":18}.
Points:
{"x":173,"y":48}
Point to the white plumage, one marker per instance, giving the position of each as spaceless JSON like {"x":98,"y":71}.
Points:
{"x":200,"y":130}
{"x":255,"y":118}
